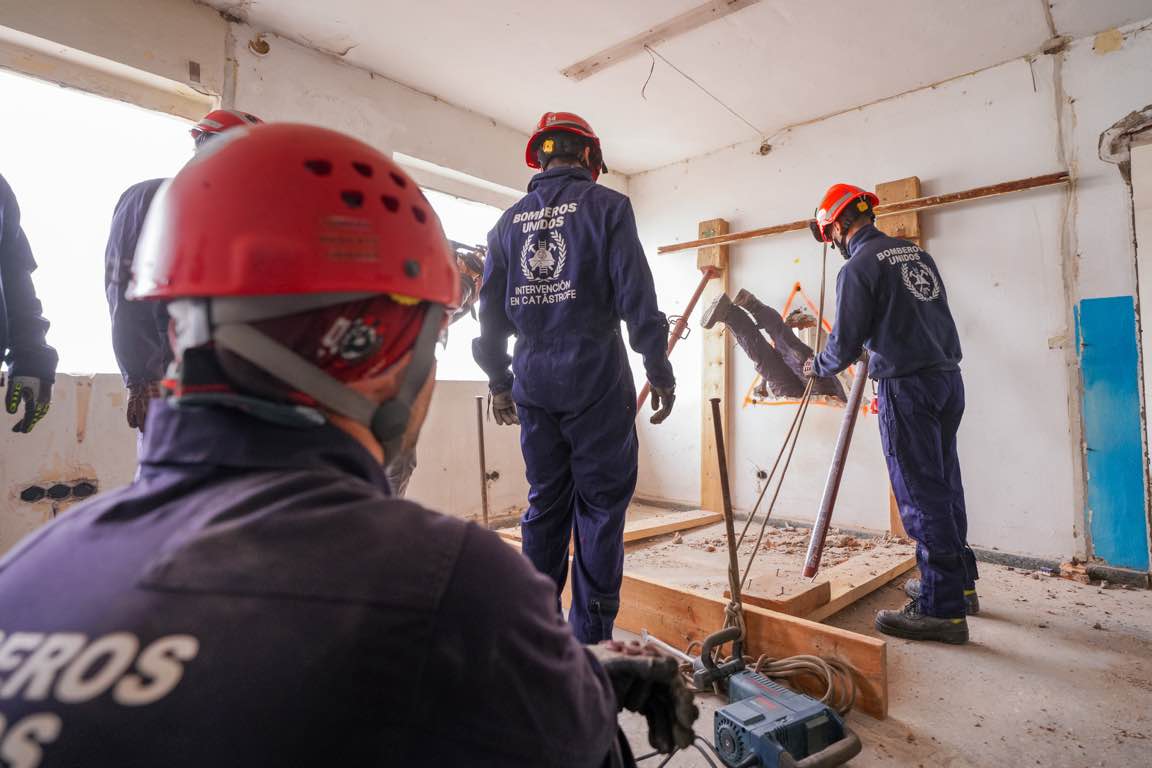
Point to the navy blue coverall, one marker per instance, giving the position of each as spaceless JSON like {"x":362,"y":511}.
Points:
{"x":23,"y":329}
{"x":139,"y":328}
{"x":256,"y":598}
{"x":891,"y":300}
{"x":564,"y":267}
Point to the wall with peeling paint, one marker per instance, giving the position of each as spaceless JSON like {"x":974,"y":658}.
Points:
{"x":1004,"y":262}
{"x":83,"y":437}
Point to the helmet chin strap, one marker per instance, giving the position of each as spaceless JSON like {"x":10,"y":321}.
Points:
{"x":388,"y":421}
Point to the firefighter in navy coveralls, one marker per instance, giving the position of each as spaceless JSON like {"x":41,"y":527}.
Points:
{"x":30,"y":361}
{"x":564,"y":267}
{"x":257,"y":597}
{"x":890,"y":300}
{"x":140,"y":329}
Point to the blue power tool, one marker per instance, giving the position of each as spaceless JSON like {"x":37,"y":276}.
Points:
{"x":764,"y":724}
{"x":769,"y":726}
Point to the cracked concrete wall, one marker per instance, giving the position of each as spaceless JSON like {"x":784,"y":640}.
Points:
{"x":1014,"y":267}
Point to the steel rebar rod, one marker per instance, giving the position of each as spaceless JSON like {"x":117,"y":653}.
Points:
{"x":483,"y":459}
{"x":836,"y":471}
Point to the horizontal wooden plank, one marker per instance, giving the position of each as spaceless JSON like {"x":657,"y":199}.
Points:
{"x":647,"y":527}
{"x":799,"y":603}
{"x":907,"y":206}
{"x":679,"y":616}
{"x":860,"y":576}
{"x":662,"y":32}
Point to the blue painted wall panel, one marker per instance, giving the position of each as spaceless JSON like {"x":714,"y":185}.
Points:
{"x":1109,"y":362}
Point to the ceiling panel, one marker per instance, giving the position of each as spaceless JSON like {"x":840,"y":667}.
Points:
{"x":777,"y":62}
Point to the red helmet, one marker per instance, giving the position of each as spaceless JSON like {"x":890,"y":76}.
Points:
{"x":559,"y":121}
{"x":291,"y":209}
{"x":279,"y":219}
{"x":834,"y":202}
{"x":220,"y":120}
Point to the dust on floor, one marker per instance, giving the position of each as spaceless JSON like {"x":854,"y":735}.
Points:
{"x":1057,"y":674}
{"x":698,"y":559}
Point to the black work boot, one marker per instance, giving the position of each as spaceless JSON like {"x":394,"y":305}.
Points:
{"x":971,"y":599}
{"x":717,"y":311}
{"x":910,"y":624}
{"x":744,"y":298}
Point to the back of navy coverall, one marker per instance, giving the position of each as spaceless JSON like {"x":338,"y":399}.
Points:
{"x":256,"y":598}
{"x":890,"y":300}
{"x":564,"y":267}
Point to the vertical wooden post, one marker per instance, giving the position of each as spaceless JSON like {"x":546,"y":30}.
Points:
{"x":907,"y":227}
{"x":715,"y":372}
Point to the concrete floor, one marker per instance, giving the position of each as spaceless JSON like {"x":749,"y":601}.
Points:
{"x":1057,"y":674}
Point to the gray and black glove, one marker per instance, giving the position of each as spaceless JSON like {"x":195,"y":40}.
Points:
{"x":503,"y":409}
{"x":662,"y":400}
{"x":807,"y":370}
{"x":648,"y":682}
{"x":35,"y":393}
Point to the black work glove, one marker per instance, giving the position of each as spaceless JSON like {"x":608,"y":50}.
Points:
{"x":648,"y":682}
{"x":503,"y":409}
{"x":662,"y":400}
{"x":139,"y":398}
{"x":808,"y":372}
{"x":35,"y":393}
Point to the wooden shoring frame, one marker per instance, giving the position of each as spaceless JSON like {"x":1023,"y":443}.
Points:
{"x":907,"y":206}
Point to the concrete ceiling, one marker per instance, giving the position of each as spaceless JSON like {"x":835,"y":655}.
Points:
{"x":777,"y":63}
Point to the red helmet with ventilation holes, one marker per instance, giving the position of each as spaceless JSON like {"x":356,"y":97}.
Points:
{"x":274,"y":220}
{"x":220,"y":120}
{"x":293,"y":209}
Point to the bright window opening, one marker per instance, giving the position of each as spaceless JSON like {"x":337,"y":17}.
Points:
{"x":68,"y":156}
{"x":467,"y":222}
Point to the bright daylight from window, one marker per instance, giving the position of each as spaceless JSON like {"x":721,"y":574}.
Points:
{"x":467,"y":222}
{"x":68,"y":159}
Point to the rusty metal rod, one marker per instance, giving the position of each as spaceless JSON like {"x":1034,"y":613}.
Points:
{"x":904,"y":206}
{"x":678,"y":329}
{"x":836,"y":471}
{"x":483,"y":459}
{"x":726,"y":497}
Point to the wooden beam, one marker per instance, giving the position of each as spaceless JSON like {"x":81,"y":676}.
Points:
{"x":679,"y":616}
{"x":919,"y":204}
{"x":799,"y":603}
{"x":715,"y":371}
{"x":648,"y":527}
{"x":906,"y":226}
{"x":903,"y":225}
{"x":860,"y":576}
{"x":662,"y":32}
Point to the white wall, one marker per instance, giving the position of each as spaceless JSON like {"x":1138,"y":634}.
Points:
{"x":447,"y":476}
{"x":1002,"y":260}
{"x":85,"y":437}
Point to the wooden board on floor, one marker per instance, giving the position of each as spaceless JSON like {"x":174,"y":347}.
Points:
{"x":647,"y":527}
{"x":860,"y":576}
{"x":679,"y":616}
{"x":798,"y":603}
{"x":835,"y":588}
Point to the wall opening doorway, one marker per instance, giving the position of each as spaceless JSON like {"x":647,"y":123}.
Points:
{"x":467,"y":222}
{"x":69,"y":155}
